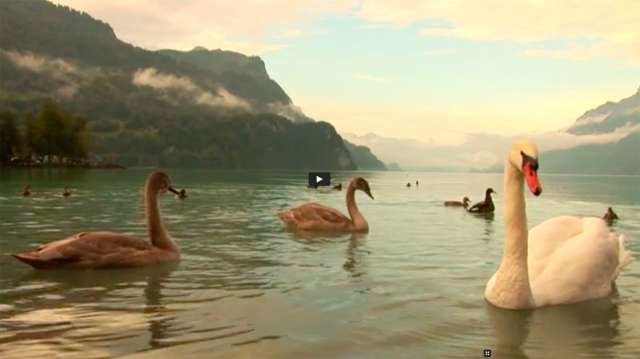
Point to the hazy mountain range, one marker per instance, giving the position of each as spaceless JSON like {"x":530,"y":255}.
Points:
{"x":609,"y":117}
{"x":604,"y":140}
{"x":202,"y":107}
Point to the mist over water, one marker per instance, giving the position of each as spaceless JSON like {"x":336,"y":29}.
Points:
{"x":412,"y":287}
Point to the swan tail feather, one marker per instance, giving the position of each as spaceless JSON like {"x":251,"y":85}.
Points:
{"x":33,"y":261}
{"x":625,"y":256}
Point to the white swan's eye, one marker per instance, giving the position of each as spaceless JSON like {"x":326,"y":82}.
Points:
{"x":528,"y":160}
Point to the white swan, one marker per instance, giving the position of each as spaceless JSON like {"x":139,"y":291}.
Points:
{"x":560,"y":261}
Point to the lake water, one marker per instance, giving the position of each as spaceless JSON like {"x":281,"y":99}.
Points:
{"x":245,"y":288}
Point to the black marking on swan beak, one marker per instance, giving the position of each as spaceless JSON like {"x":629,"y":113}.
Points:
{"x":173,"y":190}
{"x":530,"y":160}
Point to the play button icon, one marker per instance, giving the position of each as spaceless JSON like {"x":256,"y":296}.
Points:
{"x":319,"y":179}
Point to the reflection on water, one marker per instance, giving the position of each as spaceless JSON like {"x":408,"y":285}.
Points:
{"x":412,"y":287}
{"x":585,"y":329}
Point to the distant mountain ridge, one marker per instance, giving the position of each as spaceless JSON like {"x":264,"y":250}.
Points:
{"x":617,"y":157}
{"x":221,"y":61}
{"x":365,"y":159}
{"x":609,"y":117}
{"x":176,"y":108}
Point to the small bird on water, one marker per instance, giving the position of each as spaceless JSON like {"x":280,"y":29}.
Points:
{"x":485,"y":206}
{"x":610,"y":216}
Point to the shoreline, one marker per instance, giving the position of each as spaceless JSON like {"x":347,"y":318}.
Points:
{"x":107,"y":166}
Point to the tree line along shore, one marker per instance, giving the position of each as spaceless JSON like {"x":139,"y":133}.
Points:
{"x":51,"y":137}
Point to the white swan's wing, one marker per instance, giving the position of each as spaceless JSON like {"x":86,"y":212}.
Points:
{"x":572,"y":259}
{"x":547,"y":237}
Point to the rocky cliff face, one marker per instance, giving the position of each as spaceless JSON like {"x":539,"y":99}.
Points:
{"x":196,"y":108}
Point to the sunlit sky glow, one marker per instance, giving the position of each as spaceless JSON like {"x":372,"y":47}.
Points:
{"x":428,"y":70}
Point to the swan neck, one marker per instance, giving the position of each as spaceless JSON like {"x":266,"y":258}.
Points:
{"x":157,"y":232}
{"x":511,"y":287}
{"x":356,"y":217}
{"x":515,"y":216}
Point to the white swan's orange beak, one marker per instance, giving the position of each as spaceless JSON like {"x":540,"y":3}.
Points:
{"x":532,"y":179}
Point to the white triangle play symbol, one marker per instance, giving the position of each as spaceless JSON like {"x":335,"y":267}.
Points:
{"x":318,"y":179}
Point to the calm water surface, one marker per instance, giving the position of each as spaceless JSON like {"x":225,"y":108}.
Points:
{"x":412,"y":287}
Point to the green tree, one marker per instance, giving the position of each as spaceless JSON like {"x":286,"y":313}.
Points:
{"x":51,"y":131}
{"x":55,"y":133}
{"x":9,"y":137}
{"x":30,"y":135}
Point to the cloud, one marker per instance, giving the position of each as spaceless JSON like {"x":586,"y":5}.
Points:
{"x":289,"y":111}
{"x":42,"y":64}
{"x":573,"y":53}
{"x":162,"y":81}
{"x":615,"y":25}
{"x":368,"y":77}
{"x":65,"y":73}
{"x":478,"y":151}
{"x":247,"y":26}
{"x":292,"y":33}
{"x":244,"y":26}
{"x":443,"y":51}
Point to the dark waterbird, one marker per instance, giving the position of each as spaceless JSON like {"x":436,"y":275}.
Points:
{"x":610,"y":216}
{"x":485,"y":206}
{"x":182,"y":194}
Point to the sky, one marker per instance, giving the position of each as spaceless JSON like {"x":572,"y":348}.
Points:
{"x":430,"y":70}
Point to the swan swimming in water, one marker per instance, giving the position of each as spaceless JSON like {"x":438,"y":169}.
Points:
{"x":25,"y":191}
{"x":66,"y":192}
{"x":108,"y":249}
{"x":316,"y":217}
{"x":562,"y":260}
{"x":485,"y":206}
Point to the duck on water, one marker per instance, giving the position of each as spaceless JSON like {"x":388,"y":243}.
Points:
{"x":485,"y":206}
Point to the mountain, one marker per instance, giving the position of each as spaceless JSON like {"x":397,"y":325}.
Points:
{"x":364,"y":158}
{"x":609,"y":117}
{"x":173,"y":108}
{"x":618,"y":156}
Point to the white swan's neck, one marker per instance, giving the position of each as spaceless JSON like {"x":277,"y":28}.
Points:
{"x":511,"y":288}
{"x":356,"y":217}
{"x":157,"y":232}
